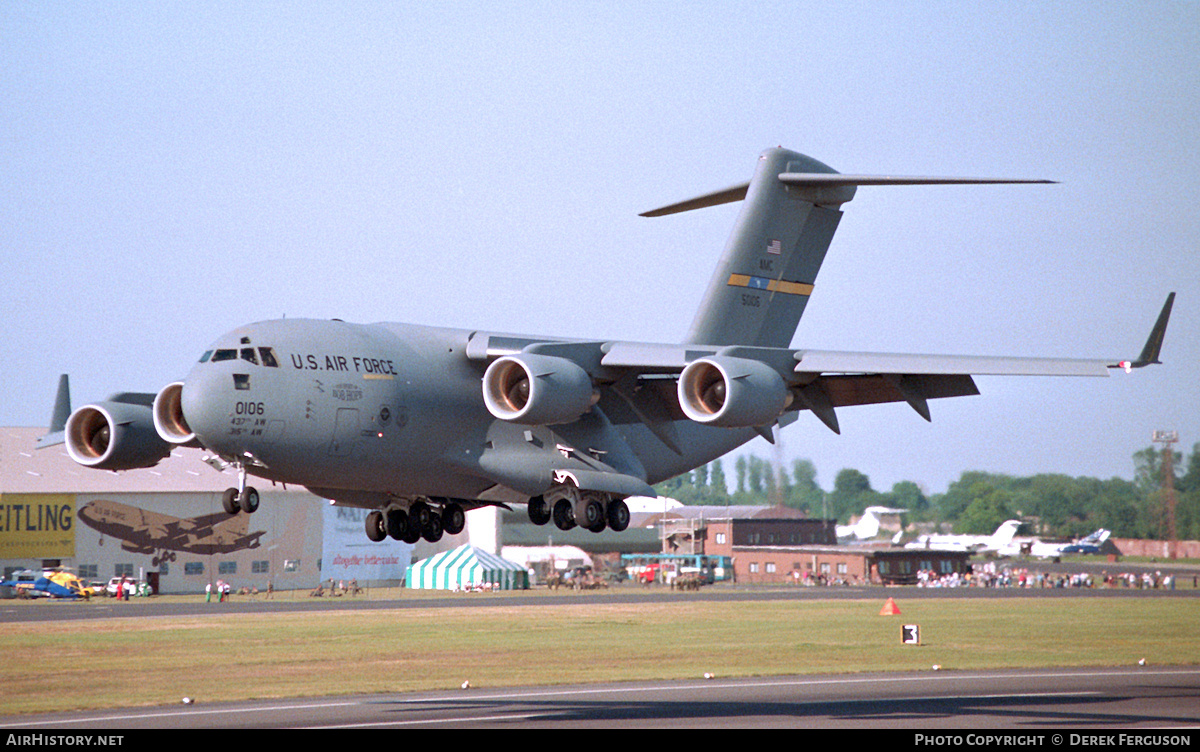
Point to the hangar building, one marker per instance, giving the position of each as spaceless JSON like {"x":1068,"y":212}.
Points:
{"x":165,"y":525}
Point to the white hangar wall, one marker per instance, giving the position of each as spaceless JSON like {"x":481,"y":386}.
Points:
{"x":166,"y":524}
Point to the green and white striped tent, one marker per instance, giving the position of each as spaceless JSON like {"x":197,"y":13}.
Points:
{"x":466,"y":567}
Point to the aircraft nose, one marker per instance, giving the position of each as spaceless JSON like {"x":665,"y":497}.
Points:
{"x":202,"y":399}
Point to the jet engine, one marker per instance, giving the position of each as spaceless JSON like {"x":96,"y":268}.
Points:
{"x":537,"y":390}
{"x":732,"y":392}
{"x":114,"y":436}
{"x":168,"y":415}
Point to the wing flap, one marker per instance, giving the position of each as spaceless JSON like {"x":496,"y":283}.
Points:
{"x":874,"y":389}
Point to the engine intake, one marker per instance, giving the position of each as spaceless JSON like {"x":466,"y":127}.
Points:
{"x":169,"y":420}
{"x":537,"y":390}
{"x":732,"y":392}
{"x":114,"y":436}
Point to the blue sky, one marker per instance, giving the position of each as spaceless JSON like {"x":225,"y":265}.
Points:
{"x":172,"y":170}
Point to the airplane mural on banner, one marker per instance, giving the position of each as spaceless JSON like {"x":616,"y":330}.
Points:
{"x":164,"y":536}
{"x":419,"y":424}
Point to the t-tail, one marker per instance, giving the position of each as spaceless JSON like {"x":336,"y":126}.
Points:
{"x":770,"y":264}
{"x":1004,"y":534}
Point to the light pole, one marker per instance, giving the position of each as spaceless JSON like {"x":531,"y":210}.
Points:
{"x":1167,"y":438}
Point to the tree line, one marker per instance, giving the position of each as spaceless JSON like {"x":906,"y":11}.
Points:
{"x":1055,"y":505}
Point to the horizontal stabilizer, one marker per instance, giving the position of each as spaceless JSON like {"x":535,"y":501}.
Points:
{"x":716,"y":198}
{"x":821,"y":179}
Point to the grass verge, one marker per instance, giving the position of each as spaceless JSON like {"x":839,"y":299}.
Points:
{"x":104,"y":663}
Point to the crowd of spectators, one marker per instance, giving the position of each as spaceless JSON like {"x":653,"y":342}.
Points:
{"x":1004,"y":576}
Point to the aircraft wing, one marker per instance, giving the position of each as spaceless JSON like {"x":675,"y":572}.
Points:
{"x":828,"y":361}
{"x":822,"y":380}
{"x":750,"y":386}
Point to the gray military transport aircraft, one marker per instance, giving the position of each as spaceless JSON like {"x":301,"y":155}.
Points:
{"x":420,"y":424}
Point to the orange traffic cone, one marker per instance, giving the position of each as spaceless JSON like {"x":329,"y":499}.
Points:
{"x":890,"y":608}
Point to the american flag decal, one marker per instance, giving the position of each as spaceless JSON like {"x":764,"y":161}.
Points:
{"x":775,"y":247}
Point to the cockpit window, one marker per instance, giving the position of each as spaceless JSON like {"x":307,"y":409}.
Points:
{"x":264,"y":355}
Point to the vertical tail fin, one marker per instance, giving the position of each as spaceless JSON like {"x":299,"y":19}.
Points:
{"x":765,"y":276}
{"x":59,"y":415}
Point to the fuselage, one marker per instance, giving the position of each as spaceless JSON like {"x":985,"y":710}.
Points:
{"x":363,"y":412}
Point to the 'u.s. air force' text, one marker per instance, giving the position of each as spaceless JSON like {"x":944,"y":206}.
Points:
{"x":311,"y":362}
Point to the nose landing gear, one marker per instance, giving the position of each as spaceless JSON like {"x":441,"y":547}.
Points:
{"x":241,"y":499}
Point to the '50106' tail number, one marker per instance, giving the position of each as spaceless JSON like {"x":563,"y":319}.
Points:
{"x":249,"y":408}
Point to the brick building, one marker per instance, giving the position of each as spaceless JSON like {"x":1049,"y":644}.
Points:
{"x":779,"y":545}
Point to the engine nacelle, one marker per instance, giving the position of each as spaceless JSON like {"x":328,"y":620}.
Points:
{"x":169,"y":420}
{"x":114,"y":436}
{"x":537,"y":390}
{"x":732,"y":392}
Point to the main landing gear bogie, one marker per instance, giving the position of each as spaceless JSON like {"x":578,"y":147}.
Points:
{"x":419,"y":521}
{"x":590,"y":510}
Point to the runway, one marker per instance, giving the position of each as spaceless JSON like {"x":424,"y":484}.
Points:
{"x":1031,"y":702}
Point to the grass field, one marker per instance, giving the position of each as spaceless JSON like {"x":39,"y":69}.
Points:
{"x":103,"y":663}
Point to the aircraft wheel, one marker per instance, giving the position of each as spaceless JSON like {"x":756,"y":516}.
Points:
{"x":412,"y":534}
{"x":432,"y":531}
{"x":396,"y":523}
{"x":420,"y":512}
{"x":564,"y":515}
{"x":454,"y":520}
{"x":589,"y":512}
{"x":375,"y":526}
{"x":229,"y":500}
{"x":249,"y":500}
{"x":539,"y":510}
{"x":599,"y":526}
{"x":618,"y":515}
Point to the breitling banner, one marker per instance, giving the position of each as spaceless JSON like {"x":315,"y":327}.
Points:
{"x":348,"y":555}
{"x":37,"y":526}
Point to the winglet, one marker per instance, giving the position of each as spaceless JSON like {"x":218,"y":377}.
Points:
{"x":1154,"y":342}
{"x":58,"y":416}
